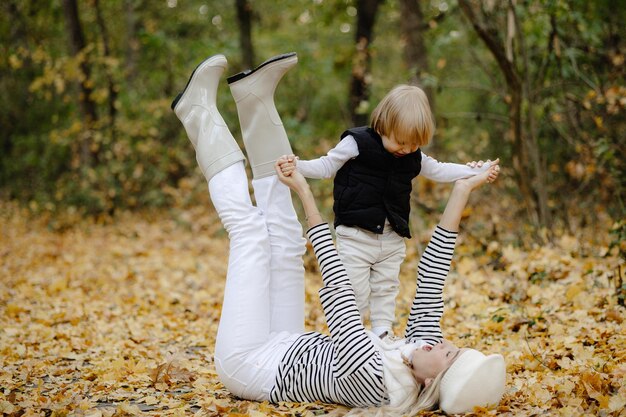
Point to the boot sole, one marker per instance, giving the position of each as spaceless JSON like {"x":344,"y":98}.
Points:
{"x":248,"y":72}
{"x":218,"y":57}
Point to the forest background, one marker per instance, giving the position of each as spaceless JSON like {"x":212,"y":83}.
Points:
{"x":89,"y":139}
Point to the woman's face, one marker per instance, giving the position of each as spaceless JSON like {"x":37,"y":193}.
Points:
{"x":429,"y":361}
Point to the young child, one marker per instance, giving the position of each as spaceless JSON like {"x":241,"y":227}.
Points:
{"x":373,"y":169}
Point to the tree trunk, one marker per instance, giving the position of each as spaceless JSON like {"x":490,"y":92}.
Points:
{"x":531,"y":141}
{"x":361,"y":64}
{"x":530,"y":176}
{"x":77,"y":44}
{"x":17,"y":32}
{"x":413,"y":28}
{"x":244,"y":17}
{"x":132,"y":43}
{"x":519,"y":156}
{"x":107,"y":54}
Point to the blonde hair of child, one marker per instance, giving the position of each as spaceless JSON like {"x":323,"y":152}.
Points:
{"x":405,"y":113}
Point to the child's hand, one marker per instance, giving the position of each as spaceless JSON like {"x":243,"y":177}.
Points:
{"x":488,"y":164}
{"x":475,"y":164}
{"x":287,"y":164}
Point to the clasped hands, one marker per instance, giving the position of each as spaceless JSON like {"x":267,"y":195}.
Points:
{"x":288,"y":174}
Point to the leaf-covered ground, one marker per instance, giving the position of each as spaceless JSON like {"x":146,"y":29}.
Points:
{"x":119,"y":318}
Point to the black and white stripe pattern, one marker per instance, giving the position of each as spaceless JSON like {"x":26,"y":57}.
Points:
{"x":346,"y":368}
{"x":425,"y":318}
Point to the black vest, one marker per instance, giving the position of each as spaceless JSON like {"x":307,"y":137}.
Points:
{"x":375,"y":185}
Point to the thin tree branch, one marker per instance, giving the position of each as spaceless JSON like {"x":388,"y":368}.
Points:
{"x":481,"y":64}
{"x":486,"y":34}
{"x":552,"y":36}
{"x":533,"y":353}
{"x":481,"y":88}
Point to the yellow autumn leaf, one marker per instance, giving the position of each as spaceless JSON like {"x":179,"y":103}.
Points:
{"x":15,"y":62}
{"x":7,"y":408}
{"x":599,"y":121}
{"x":573,"y":291}
{"x":126,"y":409}
{"x":150,"y":400}
{"x":104,"y":304}
{"x":617,"y":403}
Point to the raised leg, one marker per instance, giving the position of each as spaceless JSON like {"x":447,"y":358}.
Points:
{"x":215,"y":146}
{"x":262,"y":129}
{"x":245,"y":320}
{"x":265,"y":140}
{"x":287,"y":246}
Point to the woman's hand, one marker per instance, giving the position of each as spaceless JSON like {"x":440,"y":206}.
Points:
{"x":288,"y":164}
{"x":296,"y":182}
{"x":287,"y":174}
{"x":493,"y":173}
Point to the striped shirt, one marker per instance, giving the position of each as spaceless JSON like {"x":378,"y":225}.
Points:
{"x":427,"y":309}
{"x":346,"y":368}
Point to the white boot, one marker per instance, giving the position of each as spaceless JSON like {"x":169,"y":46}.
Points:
{"x":215,"y":146}
{"x":262,"y":129}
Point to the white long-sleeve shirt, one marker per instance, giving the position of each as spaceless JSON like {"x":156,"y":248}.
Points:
{"x":347,"y":148}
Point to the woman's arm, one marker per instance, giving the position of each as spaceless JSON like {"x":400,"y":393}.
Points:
{"x":288,"y":175}
{"x":357,"y":364}
{"x":427,"y":309}
{"x":434,"y":266}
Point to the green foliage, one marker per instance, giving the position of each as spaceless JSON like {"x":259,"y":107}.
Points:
{"x":618,"y":239}
{"x":136,"y":151}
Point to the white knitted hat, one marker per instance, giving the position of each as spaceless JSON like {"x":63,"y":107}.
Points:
{"x":472,"y":380}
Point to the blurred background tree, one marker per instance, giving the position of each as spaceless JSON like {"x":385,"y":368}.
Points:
{"x":86,"y":88}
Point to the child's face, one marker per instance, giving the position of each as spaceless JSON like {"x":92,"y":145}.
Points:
{"x":393,"y":147}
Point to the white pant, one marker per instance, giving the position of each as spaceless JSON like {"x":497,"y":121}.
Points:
{"x":263,"y":308}
{"x":372,"y":262}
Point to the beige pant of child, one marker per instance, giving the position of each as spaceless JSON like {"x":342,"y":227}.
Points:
{"x":372,"y":262}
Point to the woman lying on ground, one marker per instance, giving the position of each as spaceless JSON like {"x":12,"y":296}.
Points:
{"x":262,"y":352}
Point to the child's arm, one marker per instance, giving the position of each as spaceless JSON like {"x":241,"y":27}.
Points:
{"x":447,"y":171}
{"x":328,"y":165}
